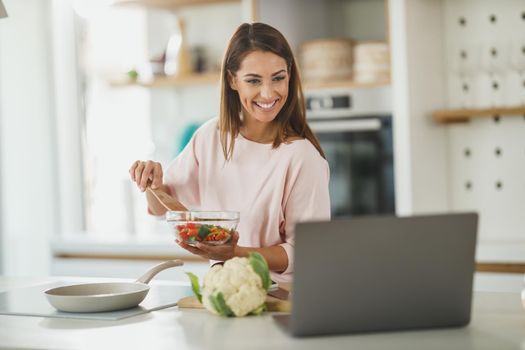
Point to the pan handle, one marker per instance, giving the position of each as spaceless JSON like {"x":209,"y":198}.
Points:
{"x":158,"y":268}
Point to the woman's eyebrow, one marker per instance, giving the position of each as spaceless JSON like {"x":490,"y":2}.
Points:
{"x":258,"y":76}
{"x":281,"y":71}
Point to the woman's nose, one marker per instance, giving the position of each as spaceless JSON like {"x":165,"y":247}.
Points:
{"x":267,"y":91}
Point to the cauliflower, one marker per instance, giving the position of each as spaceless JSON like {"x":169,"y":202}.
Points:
{"x":237,"y":288}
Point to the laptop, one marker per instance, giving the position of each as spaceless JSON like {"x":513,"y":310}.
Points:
{"x":383,"y":273}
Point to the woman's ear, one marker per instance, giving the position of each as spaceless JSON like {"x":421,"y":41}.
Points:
{"x":232,"y":81}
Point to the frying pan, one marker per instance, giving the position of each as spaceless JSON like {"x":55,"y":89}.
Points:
{"x":105,"y":296}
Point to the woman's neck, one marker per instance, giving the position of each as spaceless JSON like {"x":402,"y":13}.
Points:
{"x":257,"y":131}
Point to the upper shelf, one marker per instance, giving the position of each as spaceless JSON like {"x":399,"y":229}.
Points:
{"x":463,"y":115}
{"x":169,"y":4}
{"x":174,"y":81}
{"x":213,"y":78}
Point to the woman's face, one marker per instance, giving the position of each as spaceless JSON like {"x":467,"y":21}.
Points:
{"x":262,"y":84}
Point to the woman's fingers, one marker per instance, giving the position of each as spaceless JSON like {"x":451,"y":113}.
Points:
{"x":147,"y":174}
{"x":139,"y":174}
{"x":139,"y":168}
{"x":132,"y":170}
{"x":221,"y":252}
{"x":205,"y":248}
{"x":235,"y":238}
{"x":144,"y":172}
{"x":157,"y":176}
{"x":189,"y":248}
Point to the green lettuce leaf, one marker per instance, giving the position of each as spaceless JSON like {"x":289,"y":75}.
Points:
{"x":204,"y":231}
{"x":195,"y":287}
{"x":260,"y":267}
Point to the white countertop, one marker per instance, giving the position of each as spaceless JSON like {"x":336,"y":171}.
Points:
{"x":498,"y":322}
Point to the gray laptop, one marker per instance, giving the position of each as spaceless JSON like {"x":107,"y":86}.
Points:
{"x":382,"y":273}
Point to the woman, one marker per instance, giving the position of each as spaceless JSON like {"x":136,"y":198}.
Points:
{"x":259,"y":157}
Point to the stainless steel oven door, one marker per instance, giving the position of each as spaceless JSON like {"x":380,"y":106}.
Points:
{"x":359,"y":152}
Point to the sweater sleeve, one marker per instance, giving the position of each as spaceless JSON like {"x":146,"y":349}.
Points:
{"x":182,"y":175}
{"x":306,"y":199}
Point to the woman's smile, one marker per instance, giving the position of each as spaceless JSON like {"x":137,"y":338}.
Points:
{"x":266,"y":106}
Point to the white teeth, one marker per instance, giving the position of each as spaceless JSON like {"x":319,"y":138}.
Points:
{"x":266,"y":105}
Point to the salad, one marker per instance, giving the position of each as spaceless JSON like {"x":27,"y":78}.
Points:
{"x":192,"y":232}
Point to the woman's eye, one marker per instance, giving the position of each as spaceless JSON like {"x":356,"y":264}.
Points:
{"x":279,"y":78}
{"x":253,"y":81}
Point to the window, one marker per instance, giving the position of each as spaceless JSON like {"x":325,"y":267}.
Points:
{"x":117,"y":125}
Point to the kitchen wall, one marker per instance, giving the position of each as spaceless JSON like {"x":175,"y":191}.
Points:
{"x":485,"y":60}
{"x":435,"y":162}
{"x":302,"y":20}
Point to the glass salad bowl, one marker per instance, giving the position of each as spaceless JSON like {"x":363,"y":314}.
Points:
{"x":209,"y":227}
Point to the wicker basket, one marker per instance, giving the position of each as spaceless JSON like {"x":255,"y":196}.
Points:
{"x":371,"y":62}
{"x":326,"y":59}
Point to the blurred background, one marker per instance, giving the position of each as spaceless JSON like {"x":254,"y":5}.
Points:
{"x":419,"y":105}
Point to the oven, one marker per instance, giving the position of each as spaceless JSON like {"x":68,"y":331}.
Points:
{"x":354,"y":128}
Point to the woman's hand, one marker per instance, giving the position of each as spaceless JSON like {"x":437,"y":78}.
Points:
{"x":220,"y":252}
{"x":143,"y":172}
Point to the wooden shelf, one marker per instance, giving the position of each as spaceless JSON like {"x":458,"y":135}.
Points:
{"x":213,"y":78}
{"x":169,"y":4}
{"x":342,"y":84}
{"x":463,"y":115}
{"x":174,"y":81}
{"x":501,"y":267}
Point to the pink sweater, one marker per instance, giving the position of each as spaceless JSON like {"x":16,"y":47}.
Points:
{"x":271,"y":188}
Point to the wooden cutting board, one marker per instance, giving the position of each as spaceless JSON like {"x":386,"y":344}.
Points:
{"x":272,"y":304}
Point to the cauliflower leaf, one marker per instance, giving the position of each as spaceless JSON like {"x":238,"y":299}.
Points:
{"x":218,"y":302}
{"x":195,"y":287}
{"x":260,"y":267}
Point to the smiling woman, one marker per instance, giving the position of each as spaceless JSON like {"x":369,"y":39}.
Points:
{"x":258,"y":158}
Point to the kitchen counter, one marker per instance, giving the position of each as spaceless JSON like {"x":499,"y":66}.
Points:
{"x":498,"y":322}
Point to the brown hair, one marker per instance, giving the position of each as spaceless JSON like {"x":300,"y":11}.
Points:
{"x":291,"y":119}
